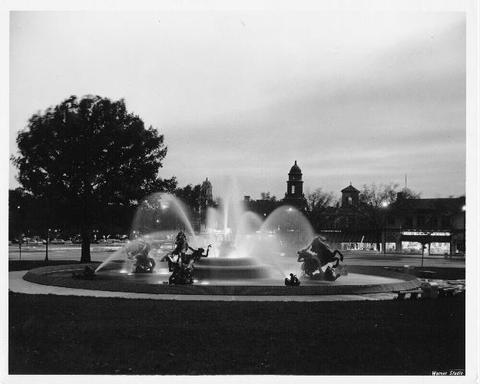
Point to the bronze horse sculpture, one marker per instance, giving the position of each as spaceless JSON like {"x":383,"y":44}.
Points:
{"x":319,"y":260}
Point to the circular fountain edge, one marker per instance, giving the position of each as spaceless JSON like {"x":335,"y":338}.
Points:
{"x":61,"y":276}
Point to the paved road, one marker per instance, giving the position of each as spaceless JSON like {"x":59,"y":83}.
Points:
{"x":360,"y":258}
{"x":101,"y":252}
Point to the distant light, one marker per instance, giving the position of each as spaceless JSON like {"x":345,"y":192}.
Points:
{"x":385,"y":204}
{"x":464,"y":208}
{"x":290,"y":209}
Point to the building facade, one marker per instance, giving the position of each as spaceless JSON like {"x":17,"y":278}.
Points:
{"x":433,"y":226}
{"x":408,"y":225}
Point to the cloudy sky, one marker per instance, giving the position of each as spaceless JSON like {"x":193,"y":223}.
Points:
{"x":365,"y":97}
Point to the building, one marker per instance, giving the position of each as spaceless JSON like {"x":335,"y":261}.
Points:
{"x":350,"y":197}
{"x":348,"y":213}
{"x":350,"y":224}
{"x":294,"y":195}
{"x":433,"y":226}
{"x":438,"y":225}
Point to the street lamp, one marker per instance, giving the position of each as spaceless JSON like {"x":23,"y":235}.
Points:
{"x":46,"y":244}
{"x":20,"y":237}
{"x":384,"y":204}
{"x":426,"y":239}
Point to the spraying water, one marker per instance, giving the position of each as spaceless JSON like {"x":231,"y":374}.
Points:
{"x":249,"y":243}
{"x":156,"y":221}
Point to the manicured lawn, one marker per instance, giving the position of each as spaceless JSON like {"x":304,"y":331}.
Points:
{"x":78,"y":335}
{"x":23,"y":265}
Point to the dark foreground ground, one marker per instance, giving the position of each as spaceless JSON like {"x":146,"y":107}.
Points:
{"x":77,"y":335}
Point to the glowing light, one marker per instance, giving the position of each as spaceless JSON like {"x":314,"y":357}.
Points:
{"x":384,"y":204}
{"x":409,"y":233}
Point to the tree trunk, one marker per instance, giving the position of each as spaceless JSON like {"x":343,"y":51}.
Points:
{"x":85,"y":246}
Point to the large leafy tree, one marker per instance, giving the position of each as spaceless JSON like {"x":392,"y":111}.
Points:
{"x":87,"y":154}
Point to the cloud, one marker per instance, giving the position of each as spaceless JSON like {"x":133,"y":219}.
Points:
{"x":352,"y":96}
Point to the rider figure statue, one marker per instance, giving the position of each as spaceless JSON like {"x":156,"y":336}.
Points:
{"x":182,"y":264}
{"x":292,"y":281}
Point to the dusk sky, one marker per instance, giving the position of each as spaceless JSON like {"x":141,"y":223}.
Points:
{"x":361,"y":97}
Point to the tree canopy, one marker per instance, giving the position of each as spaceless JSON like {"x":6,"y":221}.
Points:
{"x":87,"y":154}
{"x":375,"y":201}
{"x":383,"y":195}
{"x":267,"y":196}
{"x":318,"y":203}
{"x":319,"y":200}
{"x":190,"y":195}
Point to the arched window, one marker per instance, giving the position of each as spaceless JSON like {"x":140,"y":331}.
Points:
{"x":349,"y":200}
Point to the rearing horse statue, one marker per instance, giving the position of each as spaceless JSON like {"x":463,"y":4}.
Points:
{"x":318,"y":254}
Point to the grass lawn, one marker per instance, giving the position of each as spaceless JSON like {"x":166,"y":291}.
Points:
{"x":23,"y":265}
{"x":80,"y":335}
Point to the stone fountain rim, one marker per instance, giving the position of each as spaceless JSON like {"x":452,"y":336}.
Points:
{"x":48,"y":276}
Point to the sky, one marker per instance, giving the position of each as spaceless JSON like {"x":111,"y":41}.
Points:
{"x":360,"y":97}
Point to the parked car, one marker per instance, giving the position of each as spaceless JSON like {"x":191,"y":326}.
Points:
{"x":54,"y":241}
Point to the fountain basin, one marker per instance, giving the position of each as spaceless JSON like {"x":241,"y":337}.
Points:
{"x":238,"y":268}
{"x":361,"y":280}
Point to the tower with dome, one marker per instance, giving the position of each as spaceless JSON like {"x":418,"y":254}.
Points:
{"x":294,"y":195}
